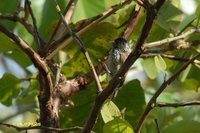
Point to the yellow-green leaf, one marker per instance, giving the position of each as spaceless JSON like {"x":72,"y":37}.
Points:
{"x":160,"y":63}
{"x":117,"y":126}
{"x":150,"y":68}
{"x":109,"y":111}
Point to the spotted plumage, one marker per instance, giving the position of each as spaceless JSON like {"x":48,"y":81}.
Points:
{"x":117,"y":56}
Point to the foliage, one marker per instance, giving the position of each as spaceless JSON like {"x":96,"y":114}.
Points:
{"x":122,"y":113}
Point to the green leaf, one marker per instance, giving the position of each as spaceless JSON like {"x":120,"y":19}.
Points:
{"x":191,"y":84}
{"x":183,"y":126}
{"x":9,"y":86}
{"x":121,"y":16}
{"x":83,"y":103}
{"x":7,"y":7}
{"x":109,"y":3}
{"x":170,"y":16}
{"x":109,"y":111}
{"x":185,"y":73}
{"x":10,"y":49}
{"x":157,"y":33}
{"x":20,"y":57}
{"x":160,"y":63}
{"x":167,"y":97}
{"x":6,"y":44}
{"x":131,"y":97}
{"x":169,"y":63}
{"x":117,"y":126}
{"x":185,"y":22}
{"x":194,"y":74}
{"x":150,"y":68}
{"x":28,"y":95}
{"x":25,"y":35}
{"x":10,"y":7}
{"x":198,"y":14}
{"x":87,"y":8}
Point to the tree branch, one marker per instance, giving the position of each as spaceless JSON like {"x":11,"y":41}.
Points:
{"x":168,"y":40}
{"x":47,"y":117}
{"x":26,"y":49}
{"x":134,"y":55}
{"x":84,"y":80}
{"x":190,"y":103}
{"x":159,"y":91}
{"x":157,"y":126}
{"x":22,"y":21}
{"x":77,"y":128}
{"x":80,"y":43}
{"x":39,"y":40}
{"x":69,"y":10}
{"x":133,"y":20}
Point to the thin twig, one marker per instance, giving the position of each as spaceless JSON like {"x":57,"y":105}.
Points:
{"x":39,"y":41}
{"x":190,"y":103}
{"x":185,"y":27}
{"x":22,"y":21}
{"x":76,"y":128}
{"x":134,"y":55}
{"x":69,"y":10}
{"x":171,"y":57}
{"x":57,"y":75}
{"x":157,"y":126}
{"x":140,"y":2}
{"x":168,"y":40}
{"x":159,"y":91}
{"x":58,"y":32}
{"x":79,"y":41}
{"x":134,"y":18}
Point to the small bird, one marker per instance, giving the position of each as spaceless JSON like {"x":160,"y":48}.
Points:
{"x":117,"y":56}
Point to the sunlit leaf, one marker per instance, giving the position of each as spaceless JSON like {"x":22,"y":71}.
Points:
{"x":160,"y":63}
{"x":198,"y":14}
{"x":117,"y":126}
{"x":87,"y":8}
{"x":170,"y":16}
{"x":109,"y":111}
{"x":185,"y":22}
{"x":150,"y":68}
{"x":185,"y":73}
{"x":121,"y":15}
